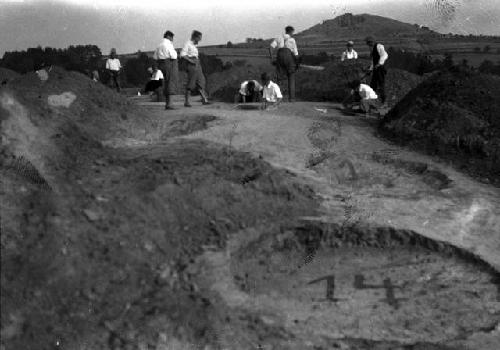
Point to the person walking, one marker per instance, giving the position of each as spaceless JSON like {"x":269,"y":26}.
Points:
{"x":196,"y":79}
{"x":113,"y":67}
{"x":377,"y":68}
{"x":287,"y":59}
{"x":349,"y":53}
{"x":166,"y":58}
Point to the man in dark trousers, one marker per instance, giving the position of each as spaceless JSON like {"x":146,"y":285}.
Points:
{"x":113,"y":66}
{"x":287,"y":59}
{"x":378,"y":56}
{"x":196,"y":79}
{"x":166,"y":58}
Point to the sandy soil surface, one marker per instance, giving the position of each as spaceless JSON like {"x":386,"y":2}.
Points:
{"x":367,"y":186}
{"x":218,"y":228}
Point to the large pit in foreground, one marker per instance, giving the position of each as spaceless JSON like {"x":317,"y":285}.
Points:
{"x":377,"y":284}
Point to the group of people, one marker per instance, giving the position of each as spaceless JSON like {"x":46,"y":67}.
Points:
{"x":287,"y":62}
{"x":284,"y":55}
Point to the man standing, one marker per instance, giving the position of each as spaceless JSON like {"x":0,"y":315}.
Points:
{"x":196,"y":79}
{"x":287,"y":58}
{"x":113,"y":66}
{"x":349,"y":54}
{"x":379,"y":56}
{"x":166,"y":58}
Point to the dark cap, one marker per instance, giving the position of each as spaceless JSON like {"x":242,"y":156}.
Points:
{"x":265,"y":77}
{"x":168,"y":33}
{"x":370,"y":39}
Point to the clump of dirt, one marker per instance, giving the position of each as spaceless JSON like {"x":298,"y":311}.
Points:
{"x":187,"y":125}
{"x":453,"y":114}
{"x":331,"y":83}
{"x":7,"y":75}
{"x":95,"y":242}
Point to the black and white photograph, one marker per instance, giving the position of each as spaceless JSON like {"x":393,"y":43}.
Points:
{"x":250,"y":175}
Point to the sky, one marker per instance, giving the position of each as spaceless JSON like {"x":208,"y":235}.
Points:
{"x":131,"y":25}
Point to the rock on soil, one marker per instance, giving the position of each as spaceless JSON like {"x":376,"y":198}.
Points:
{"x":454,"y":114}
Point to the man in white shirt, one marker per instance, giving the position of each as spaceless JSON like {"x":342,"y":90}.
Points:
{"x":166,"y":58}
{"x":368,"y":97}
{"x":271,"y":92}
{"x":156,"y":80}
{"x":113,"y":67}
{"x":378,"y":56}
{"x":349,"y":54}
{"x":196,"y":79}
{"x":250,"y":91}
{"x":287,"y":59}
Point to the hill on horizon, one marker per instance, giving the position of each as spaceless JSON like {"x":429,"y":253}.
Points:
{"x":358,"y":27}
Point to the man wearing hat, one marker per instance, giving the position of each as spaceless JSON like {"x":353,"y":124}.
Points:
{"x":349,"y":54}
{"x":378,"y":56}
{"x":113,"y":66}
{"x":166,"y":58}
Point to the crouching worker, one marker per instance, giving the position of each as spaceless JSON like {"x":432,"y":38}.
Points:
{"x":156,"y":81}
{"x":271,"y":93}
{"x":250,"y":91}
{"x":368,"y":97}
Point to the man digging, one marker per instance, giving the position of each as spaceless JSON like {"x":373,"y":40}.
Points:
{"x":196,"y":79}
{"x":368,"y":98}
{"x":287,"y":59}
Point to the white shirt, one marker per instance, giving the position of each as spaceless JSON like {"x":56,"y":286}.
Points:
{"x":272,"y":92}
{"x":366,"y":92}
{"x":165,"y":51}
{"x":243,"y":87}
{"x":383,"y":55}
{"x":285,"y":41}
{"x":113,"y":64}
{"x":189,"y":50}
{"x":346,"y":55}
{"x":158,"y":75}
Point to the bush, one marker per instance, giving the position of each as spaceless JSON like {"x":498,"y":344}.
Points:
{"x":80,"y":58}
{"x":135,"y":69}
{"x":416,"y":63}
{"x":211,"y":64}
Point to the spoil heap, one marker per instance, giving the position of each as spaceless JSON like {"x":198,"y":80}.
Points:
{"x":454,"y":114}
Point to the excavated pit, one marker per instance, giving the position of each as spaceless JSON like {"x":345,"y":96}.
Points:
{"x":379,"y":284}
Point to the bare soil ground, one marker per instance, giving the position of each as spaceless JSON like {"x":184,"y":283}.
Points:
{"x":129,"y":227}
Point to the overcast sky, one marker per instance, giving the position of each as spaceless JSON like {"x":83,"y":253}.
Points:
{"x":131,"y":25}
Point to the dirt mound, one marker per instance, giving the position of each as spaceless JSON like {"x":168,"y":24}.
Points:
{"x":453,"y":114}
{"x":96,"y":241}
{"x":329,"y":84}
{"x":6,"y":75}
